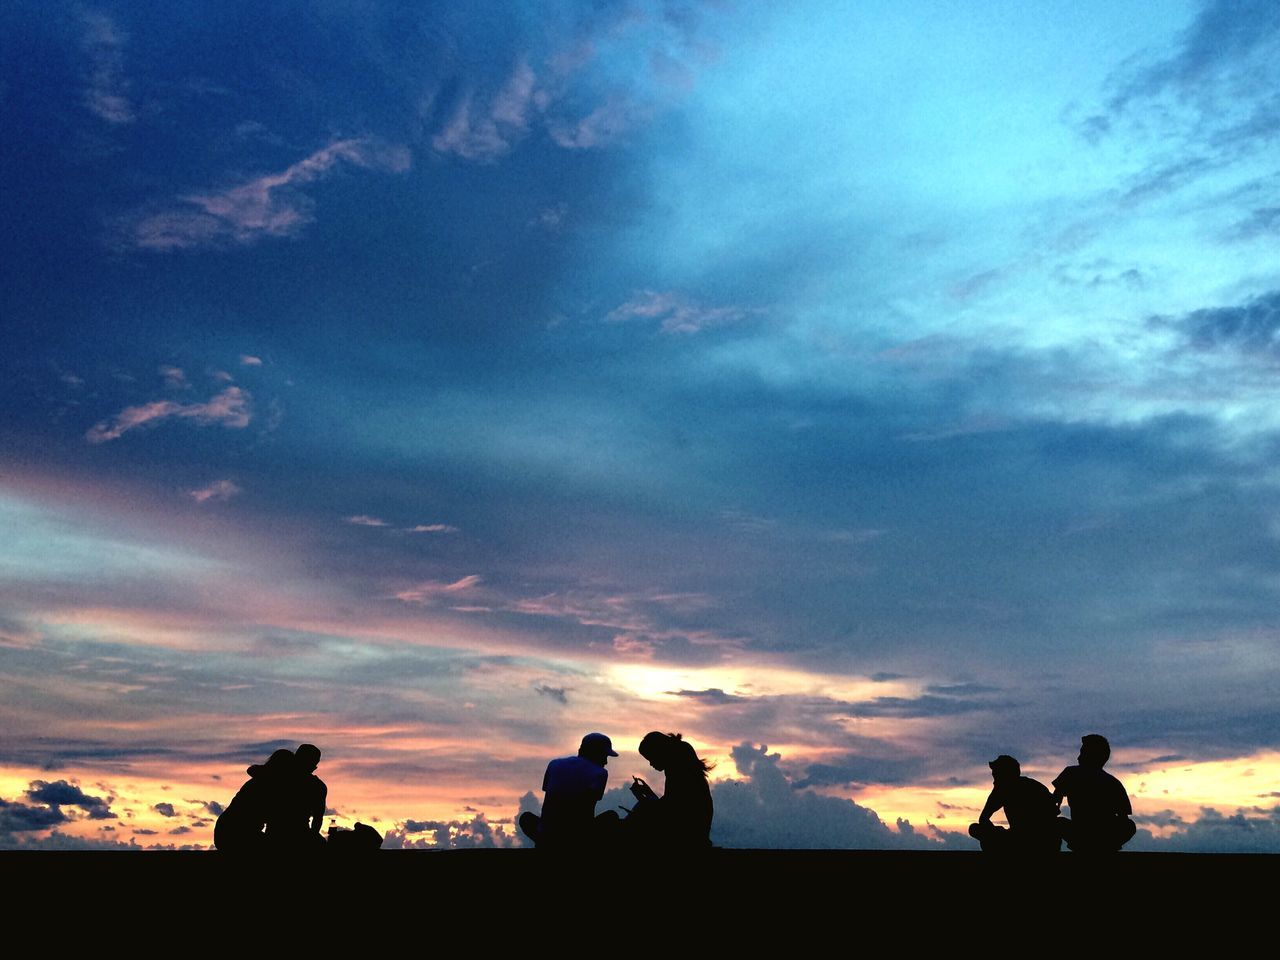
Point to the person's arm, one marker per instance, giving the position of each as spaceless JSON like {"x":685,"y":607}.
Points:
{"x":993,"y":804}
{"x":317,"y":812}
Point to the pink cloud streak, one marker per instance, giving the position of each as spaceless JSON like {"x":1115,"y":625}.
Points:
{"x":230,"y":408}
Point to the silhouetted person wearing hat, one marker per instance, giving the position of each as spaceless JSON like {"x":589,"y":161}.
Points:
{"x":1099,"y":803}
{"x":1028,"y":807}
{"x":571,"y":788}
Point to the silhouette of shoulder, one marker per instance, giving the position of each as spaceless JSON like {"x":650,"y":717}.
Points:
{"x":1092,"y":792}
{"x":575,"y":775}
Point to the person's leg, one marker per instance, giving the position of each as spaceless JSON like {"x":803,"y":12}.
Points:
{"x":531,"y":826}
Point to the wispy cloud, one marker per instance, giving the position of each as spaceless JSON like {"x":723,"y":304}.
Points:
{"x":219,"y":492}
{"x":268,"y":206}
{"x":432,"y":528}
{"x":479,"y":132}
{"x":431,"y":590}
{"x":247,"y":360}
{"x":107,"y":92}
{"x":175,"y":378}
{"x":230,"y":408}
{"x":676,"y":313}
{"x":364,"y":520}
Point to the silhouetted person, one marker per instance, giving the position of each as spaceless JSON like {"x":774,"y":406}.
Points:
{"x":681,"y":818}
{"x":1027,"y":805}
{"x":314,"y":793}
{"x":571,"y":788}
{"x":1099,"y":803}
{"x":264,"y":798}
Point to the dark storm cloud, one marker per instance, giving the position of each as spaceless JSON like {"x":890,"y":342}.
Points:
{"x":20,"y":817}
{"x":62,"y":793}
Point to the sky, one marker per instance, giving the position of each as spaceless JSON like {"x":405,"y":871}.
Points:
{"x":862,"y":390}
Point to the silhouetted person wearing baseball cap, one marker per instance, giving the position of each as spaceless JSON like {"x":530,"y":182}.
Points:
{"x":1099,"y":803}
{"x":1028,"y":807}
{"x":571,"y":788}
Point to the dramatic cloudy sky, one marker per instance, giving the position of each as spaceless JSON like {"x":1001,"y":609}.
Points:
{"x":862,"y":388}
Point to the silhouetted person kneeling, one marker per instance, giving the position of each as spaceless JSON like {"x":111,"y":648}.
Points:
{"x":679,"y":820}
{"x":1027,"y":805}
{"x":1099,"y":803}
{"x":571,"y":788}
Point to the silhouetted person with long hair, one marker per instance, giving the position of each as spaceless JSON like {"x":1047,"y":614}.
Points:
{"x":681,"y":818}
{"x":571,"y":788}
{"x":1028,"y":807}
{"x":279,"y":809}
{"x":1099,"y":803}
{"x":264,"y":798}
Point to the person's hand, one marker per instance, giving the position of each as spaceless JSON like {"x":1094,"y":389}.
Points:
{"x":642,"y":790}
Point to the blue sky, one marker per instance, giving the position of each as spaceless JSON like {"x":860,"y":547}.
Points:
{"x":888,"y":383}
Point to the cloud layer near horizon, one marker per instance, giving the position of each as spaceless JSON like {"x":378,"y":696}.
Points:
{"x":892,"y":387}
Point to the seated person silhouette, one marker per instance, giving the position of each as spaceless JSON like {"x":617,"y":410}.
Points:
{"x":1099,"y":803}
{"x":1028,"y":807}
{"x":571,"y":788}
{"x":280,"y":808}
{"x":314,"y":794}
{"x":263,"y":798}
{"x":681,"y":818}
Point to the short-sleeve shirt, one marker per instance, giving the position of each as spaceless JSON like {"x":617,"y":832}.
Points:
{"x":571,"y":785}
{"x":1092,"y":793}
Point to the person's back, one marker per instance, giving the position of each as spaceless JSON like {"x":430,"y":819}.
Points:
{"x":1028,"y":808}
{"x":572,"y":786}
{"x":688,"y":809}
{"x":1099,"y":803}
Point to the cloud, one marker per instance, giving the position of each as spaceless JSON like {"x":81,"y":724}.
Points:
{"x":432,"y":528}
{"x":164,"y":809}
{"x":268,"y":206}
{"x":677,"y":315}
{"x":1253,"y":830}
{"x":484,"y":133}
{"x":19,"y":817}
{"x":60,"y":793}
{"x":107,"y":92}
{"x":364,"y":520}
{"x":602,"y":126}
{"x":558,"y":694}
{"x":230,"y":408}
{"x":246,"y":360}
{"x":174,"y":378}
{"x":431,"y":590}
{"x":450,"y":834}
{"x":768,"y":810}
{"x":219,"y":492}
{"x":1251,"y":328}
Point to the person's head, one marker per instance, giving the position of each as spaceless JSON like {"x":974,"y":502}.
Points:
{"x":1094,"y":750}
{"x":280,"y":763}
{"x":670,"y":752}
{"x":597,"y":748}
{"x":308,"y":757}
{"x":1005,"y":768}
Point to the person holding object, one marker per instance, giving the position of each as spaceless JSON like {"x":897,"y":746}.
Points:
{"x":681,"y":818}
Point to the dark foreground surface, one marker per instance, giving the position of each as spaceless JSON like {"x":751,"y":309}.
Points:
{"x":742,"y":898}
